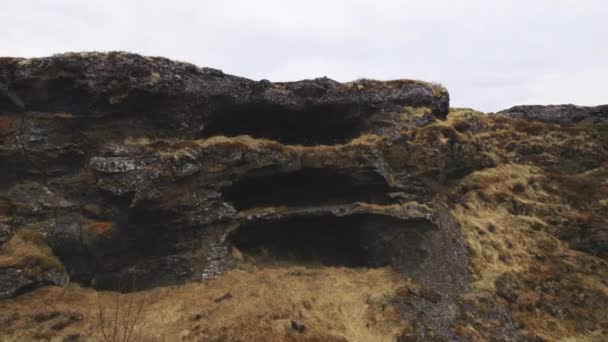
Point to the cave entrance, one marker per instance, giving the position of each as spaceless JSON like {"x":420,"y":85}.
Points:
{"x":308,"y":187}
{"x":311,"y":125}
{"x":364,"y":240}
{"x":324,"y":241}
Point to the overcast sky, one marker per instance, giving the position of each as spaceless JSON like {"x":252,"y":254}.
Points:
{"x":489,"y":54}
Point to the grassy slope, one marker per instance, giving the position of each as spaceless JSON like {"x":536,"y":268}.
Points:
{"x":272,"y":304}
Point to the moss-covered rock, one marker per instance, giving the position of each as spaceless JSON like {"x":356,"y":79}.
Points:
{"x":27,"y":262}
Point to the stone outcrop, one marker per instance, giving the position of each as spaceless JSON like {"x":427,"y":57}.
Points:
{"x":140,"y":172}
{"x":560,"y":114}
{"x":137,"y":167}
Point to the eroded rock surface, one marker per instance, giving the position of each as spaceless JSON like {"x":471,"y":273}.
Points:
{"x":141,"y":172}
{"x":140,"y":166}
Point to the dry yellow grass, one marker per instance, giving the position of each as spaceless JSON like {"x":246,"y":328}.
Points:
{"x":516,"y":261}
{"x":174,"y":149}
{"x":270,"y":304}
{"x":499,"y":240}
{"x":28,"y":251}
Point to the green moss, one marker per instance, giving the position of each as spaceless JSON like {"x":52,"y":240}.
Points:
{"x":572,"y":164}
{"x":600,"y":129}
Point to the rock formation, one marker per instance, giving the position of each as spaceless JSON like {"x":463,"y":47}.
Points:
{"x":560,"y":114}
{"x":141,"y":172}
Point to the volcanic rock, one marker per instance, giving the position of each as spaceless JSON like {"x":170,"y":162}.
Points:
{"x":125,"y":173}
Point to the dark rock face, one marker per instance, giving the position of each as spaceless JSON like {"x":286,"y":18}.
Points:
{"x":138,"y":168}
{"x":173,"y":98}
{"x":567,"y":114}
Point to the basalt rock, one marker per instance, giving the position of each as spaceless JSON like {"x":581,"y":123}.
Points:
{"x":567,"y":114}
{"x":141,"y":172}
{"x":128,"y":163}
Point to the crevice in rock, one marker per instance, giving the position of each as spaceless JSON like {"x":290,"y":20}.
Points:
{"x":308,"y":187}
{"x":314,"y":125}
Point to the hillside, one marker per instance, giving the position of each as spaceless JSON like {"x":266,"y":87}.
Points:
{"x":145,"y":199}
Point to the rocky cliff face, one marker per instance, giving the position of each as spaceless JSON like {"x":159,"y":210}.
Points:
{"x":122,"y":172}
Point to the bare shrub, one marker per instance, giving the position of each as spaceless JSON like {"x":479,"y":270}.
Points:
{"x":119,"y":314}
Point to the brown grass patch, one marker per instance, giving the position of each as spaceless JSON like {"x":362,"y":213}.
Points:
{"x":519,"y":265}
{"x":27,"y":250}
{"x":271,"y":304}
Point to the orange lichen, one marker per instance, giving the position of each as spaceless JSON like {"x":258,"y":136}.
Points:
{"x":5,"y":123}
{"x":100,"y":227}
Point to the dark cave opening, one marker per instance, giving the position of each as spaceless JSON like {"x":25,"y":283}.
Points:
{"x":326,"y":241}
{"x":146,"y":252}
{"x":148,"y":234}
{"x":311,"y":125}
{"x":308,"y":187}
{"x":363,"y":240}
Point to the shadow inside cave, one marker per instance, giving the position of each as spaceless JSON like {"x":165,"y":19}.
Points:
{"x":311,"y":125}
{"x":363,"y":240}
{"x":308,"y":187}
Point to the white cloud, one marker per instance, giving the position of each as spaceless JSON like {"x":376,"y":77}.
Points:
{"x":490,"y":54}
